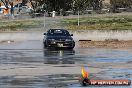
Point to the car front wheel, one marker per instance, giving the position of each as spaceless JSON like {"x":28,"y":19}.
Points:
{"x":45,"y":46}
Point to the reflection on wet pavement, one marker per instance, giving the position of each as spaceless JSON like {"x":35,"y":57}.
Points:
{"x":59,"y":80}
{"x":59,"y":56}
{"x":31,"y":66}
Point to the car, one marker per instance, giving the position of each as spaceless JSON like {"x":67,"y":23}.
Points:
{"x":23,"y":8}
{"x":58,"y":38}
{"x":18,"y":5}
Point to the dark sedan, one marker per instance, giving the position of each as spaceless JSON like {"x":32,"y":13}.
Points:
{"x":58,"y":38}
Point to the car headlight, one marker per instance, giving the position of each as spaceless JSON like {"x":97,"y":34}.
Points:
{"x":68,"y":40}
{"x":51,"y":39}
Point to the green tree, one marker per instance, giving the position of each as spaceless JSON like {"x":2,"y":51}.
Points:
{"x":38,"y":5}
{"x":56,"y":5}
{"x":96,"y":4}
{"x":24,"y":2}
{"x":81,"y":4}
{"x":85,"y":4}
{"x":65,"y":5}
{"x":51,"y":5}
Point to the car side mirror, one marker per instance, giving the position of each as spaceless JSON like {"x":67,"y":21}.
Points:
{"x":45,"y":33}
{"x":71,"y":34}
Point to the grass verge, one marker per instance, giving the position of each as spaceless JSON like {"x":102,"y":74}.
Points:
{"x":100,"y":23}
{"x":18,"y":25}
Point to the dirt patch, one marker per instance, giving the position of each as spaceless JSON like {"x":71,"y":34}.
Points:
{"x":108,"y":43}
{"x":7,"y":41}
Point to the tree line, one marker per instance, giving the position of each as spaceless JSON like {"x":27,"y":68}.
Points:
{"x":75,"y":5}
{"x":72,"y":5}
{"x":64,"y":5}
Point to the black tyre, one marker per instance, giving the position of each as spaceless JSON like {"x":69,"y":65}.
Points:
{"x":45,"y":46}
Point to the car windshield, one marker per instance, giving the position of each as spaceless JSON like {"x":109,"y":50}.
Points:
{"x":58,"y":33}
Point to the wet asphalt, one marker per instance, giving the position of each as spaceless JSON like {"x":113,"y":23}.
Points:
{"x":29,"y":53}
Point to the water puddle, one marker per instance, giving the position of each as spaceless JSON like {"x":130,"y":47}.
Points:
{"x":28,"y":65}
{"x":60,"y":80}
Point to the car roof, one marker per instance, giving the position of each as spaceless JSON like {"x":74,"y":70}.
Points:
{"x":59,"y":29}
{"x":52,"y":30}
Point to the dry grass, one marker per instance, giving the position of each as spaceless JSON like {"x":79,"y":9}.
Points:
{"x":100,"y":23}
{"x":18,"y":25}
{"x":106,"y":44}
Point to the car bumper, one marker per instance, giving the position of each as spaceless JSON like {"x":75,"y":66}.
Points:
{"x":61,"y":44}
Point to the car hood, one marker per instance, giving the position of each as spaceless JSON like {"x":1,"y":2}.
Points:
{"x":59,"y":37}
